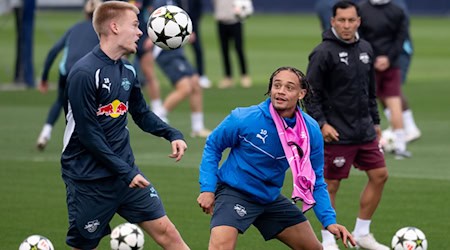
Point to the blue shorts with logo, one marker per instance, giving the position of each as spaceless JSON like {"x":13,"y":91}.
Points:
{"x":92,"y":204}
{"x":175,"y":67}
{"x":236,"y":209}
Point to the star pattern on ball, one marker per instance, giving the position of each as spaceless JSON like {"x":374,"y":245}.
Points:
{"x":183,"y":32}
{"x":401,"y":240}
{"x":121,"y":239}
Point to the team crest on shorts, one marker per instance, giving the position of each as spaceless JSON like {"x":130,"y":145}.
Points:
{"x":240,"y":210}
{"x":91,"y":226}
{"x":339,"y":161}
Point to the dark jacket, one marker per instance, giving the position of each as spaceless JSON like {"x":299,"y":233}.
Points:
{"x":343,"y":85}
{"x":101,"y":92}
{"x":384,"y":27}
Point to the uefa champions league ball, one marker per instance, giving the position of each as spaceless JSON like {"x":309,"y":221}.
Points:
{"x":387,"y":141}
{"x":36,"y":242}
{"x":242,"y":8}
{"x":409,"y":238}
{"x":127,"y":236}
{"x":169,"y":27}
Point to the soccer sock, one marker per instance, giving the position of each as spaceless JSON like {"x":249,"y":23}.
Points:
{"x":327,"y":237}
{"x":362,"y":227}
{"x":400,"y":139}
{"x":387,"y":114}
{"x":156,"y":106}
{"x":408,"y":121}
{"x":46,"y":131}
{"x":161,"y":112}
{"x":197,"y":121}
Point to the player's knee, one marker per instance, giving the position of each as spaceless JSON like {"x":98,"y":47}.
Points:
{"x":169,"y":235}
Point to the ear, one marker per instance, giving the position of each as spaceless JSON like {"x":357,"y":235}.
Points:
{"x":114,"y":27}
{"x":302,"y":94}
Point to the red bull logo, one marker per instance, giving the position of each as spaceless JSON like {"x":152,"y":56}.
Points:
{"x":113,"y":109}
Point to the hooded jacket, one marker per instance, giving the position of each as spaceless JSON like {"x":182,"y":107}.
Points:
{"x":343,"y":83}
{"x":384,"y":26}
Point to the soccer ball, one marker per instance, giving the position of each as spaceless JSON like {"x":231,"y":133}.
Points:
{"x":36,"y":242}
{"x":127,"y":236}
{"x":169,"y":27}
{"x":409,"y":238}
{"x":242,"y":8}
{"x":387,"y":141}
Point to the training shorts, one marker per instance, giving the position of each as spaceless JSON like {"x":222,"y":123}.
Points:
{"x":236,"y":209}
{"x":175,"y":68}
{"x":389,"y":82}
{"x":339,"y":158}
{"x":92,"y":204}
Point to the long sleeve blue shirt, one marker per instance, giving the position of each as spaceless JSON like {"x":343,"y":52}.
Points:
{"x":256,"y":164}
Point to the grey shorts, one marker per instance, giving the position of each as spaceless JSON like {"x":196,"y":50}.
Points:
{"x":92,"y":204}
{"x":236,"y":209}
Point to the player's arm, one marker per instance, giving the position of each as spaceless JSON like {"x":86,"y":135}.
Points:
{"x":373,"y":106}
{"x":400,"y":37}
{"x":51,"y":56}
{"x":147,"y":120}
{"x":316,"y":73}
{"x":82,"y":99}
{"x":224,"y":136}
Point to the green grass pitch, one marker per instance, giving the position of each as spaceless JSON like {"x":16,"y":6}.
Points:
{"x":32,"y":194}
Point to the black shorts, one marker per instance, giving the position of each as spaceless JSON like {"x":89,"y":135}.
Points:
{"x":236,"y":209}
{"x":92,"y":204}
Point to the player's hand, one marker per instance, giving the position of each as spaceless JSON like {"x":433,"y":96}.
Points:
{"x":206,"y":201}
{"x":43,"y":87}
{"x":378,"y":131}
{"x":148,"y":44}
{"x":139,"y":182}
{"x":381,"y":63}
{"x":192,"y":37}
{"x":329,"y":133}
{"x":178,"y":149}
{"x":340,"y":232}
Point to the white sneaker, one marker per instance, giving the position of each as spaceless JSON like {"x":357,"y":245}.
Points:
{"x":204,"y":82}
{"x":368,"y":242}
{"x":400,"y":155}
{"x":412,"y":135}
{"x":330,"y":246}
{"x":202,"y":133}
{"x":42,"y":142}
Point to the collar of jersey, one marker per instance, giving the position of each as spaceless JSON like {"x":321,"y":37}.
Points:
{"x":100,"y":54}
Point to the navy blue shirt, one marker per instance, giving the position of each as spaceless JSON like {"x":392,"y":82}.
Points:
{"x":100,"y":93}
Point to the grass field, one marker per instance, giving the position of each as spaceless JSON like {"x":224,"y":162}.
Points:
{"x":32,"y":194}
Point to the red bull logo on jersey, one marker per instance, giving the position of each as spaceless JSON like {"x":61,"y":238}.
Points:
{"x":114,"y":109}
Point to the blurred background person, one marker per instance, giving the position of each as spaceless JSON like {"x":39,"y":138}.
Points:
{"x":404,"y":62}
{"x":231,"y":28}
{"x":195,"y":10}
{"x":383,"y":26}
{"x":24,"y":69}
{"x":185,"y":81}
{"x":323,"y":9}
{"x":76,"y":42}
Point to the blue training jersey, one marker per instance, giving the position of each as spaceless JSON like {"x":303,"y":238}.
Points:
{"x":256,"y":164}
{"x":100,"y":93}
